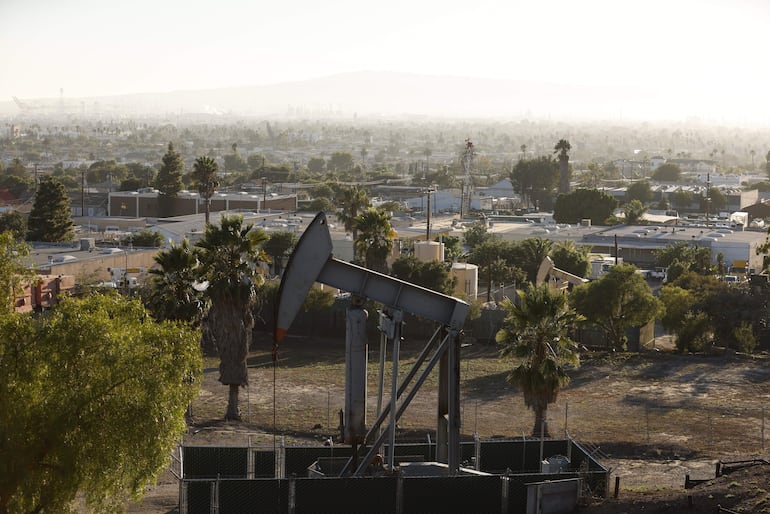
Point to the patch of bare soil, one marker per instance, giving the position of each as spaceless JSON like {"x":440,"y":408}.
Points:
{"x":652,"y":417}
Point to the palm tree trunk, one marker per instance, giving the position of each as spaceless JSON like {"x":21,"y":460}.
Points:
{"x":541,"y":424}
{"x":233,"y":412}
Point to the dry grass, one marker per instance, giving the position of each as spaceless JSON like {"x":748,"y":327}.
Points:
{"x":654,"y":416}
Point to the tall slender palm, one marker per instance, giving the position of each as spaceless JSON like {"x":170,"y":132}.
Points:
{"x":352,"y":201}
{"x":205,"y":177}
{"x":229,"y":256}
{"x":374,"y":239}
{"x":535,"y":334}
{"x":562,"y":148}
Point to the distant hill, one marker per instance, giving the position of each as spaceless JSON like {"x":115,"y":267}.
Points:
{"x":373,"y":93}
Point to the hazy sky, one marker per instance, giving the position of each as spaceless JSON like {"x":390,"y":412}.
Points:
{"x":705,"y":50}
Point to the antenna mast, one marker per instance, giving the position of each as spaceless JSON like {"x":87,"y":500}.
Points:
{"x":467,"y":185}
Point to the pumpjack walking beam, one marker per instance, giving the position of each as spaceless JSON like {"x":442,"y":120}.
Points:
{"x":312,"y":261}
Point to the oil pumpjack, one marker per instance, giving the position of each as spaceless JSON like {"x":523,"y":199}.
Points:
{"x":312,"y":261}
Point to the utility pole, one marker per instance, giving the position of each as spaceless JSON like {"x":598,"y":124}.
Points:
{"x":427,"y":233}
{"x":468,"y":155}
{"x":708,"y":197}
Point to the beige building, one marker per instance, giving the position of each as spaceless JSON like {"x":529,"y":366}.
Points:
{"x":147,"y":203}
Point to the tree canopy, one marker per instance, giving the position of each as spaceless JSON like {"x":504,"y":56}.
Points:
{"x":50,"y":219}
{"x":584,"y":204}
{"x":14,"y":270}
{"x":169,"y":178}
{"x":536,"y":179}
{"x":619,"y":300}
{"x":374,"y":241}
{"x":639,"y":191}
{"x":667,"y":172}
{"x":431,"y":274}
{"x":92,"y":401}
{"x":205,"y":177}
{"x":14,"y":222}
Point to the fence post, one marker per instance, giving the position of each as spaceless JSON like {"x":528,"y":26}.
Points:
{"x":292,"y":495}
{"x":504,"y":484}
{"x":566,"y":411}
{"x":215,"y":496}
{"x":400,"y":495}
{"x":183,"y":497}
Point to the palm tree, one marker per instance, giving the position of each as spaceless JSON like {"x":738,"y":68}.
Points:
{"x":530,"y":253}
{"x":562,"y":148}
{"x":352,"y":201}
{"x":205,"y":176}
{"x":230,"y":255}
{"x":535,"y":333}
{"x":374,"y":239}
{"x":278,"y":246}
{"x":173,"y":294}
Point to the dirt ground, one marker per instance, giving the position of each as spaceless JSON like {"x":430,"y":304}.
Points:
{"x":652,"y":418}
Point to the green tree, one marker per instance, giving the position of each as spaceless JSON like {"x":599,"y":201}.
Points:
{"x":453,"y":250}
{"x":278,"y":246}
{"x":50,"y":219}
{"x":173,"y":293}
{"x":145,"y":238}
{"x":321,"y":205}
{"x":106,"y":171}
{"x":20,"y":187}
{"x":634,"y":211}
{"x":316,"y":165}
{"x":374,"y":241}
{"x":562,"y":148}
{"x":432,"y":275}
{"x":535,"y":180}
{"x":639,"y":191}
{"x":569,"y":257}
{"x":678,"y":303}
{"x":352,"y":201}
{"x":229,"y":255}
{"x":323,"y":190}
{"x":205,"y":177}
{"x":169,"y":179}
{"x":715,"y":200}
{"x":476,"y":234}
{"x":16,"y":169}
{"x":71,"y":382}
{"x":235,"y":162}
{"x":15,"y":272}
{"x":341,"y":162}
{"x":536,"y":334}
{"x":681,"y":199}
{"x":690,"y":257}
{"x":619,"y":300}
{"x":528,"y":254}
{"x":14,"y":222}
{"x":490,"y":256}
{"x":584,"y":204}
{"x":667,"y":172}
